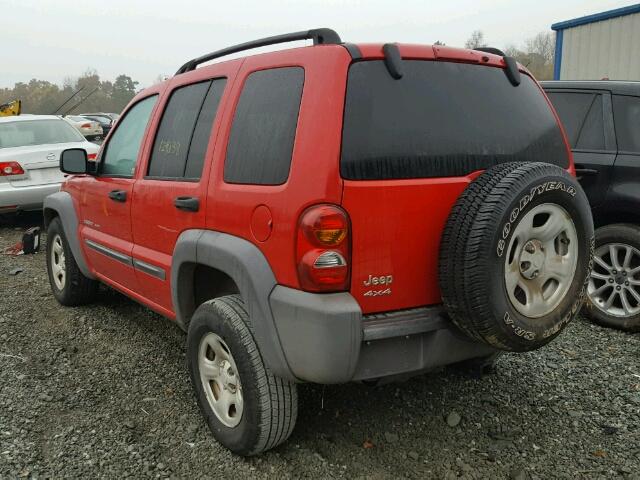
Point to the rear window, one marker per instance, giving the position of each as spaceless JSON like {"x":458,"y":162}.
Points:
{"x":443,"y":119}
{"x":37,"y":132}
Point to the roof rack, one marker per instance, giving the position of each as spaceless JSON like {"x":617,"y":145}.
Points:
{"x":495,"y":51}
{"x":512,"y":71}
{"x":320,"y":36}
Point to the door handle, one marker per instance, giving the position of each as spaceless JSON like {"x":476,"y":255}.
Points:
{"x":188,"y":204}
{"x":582,"y":171}
{"x":118,"y":195}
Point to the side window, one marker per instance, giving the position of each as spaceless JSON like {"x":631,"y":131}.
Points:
{"x":121,"y":153}
{"x":626,"y":115}
{"x":591,"y":136}
{"x":183,"y":134}
{"x":264,"y":127}
{"x":582,"y":117}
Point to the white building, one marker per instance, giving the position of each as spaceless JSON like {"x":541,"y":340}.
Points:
{"x":601,"y":46}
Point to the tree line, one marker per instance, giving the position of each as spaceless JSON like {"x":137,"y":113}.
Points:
{"x":95,"y":95}
{"x":536,"y":54}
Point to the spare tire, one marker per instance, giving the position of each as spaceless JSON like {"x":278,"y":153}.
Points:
{"x":515,"y":255}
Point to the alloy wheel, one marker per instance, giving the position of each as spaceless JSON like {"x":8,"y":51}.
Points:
{"x":614,"y":282}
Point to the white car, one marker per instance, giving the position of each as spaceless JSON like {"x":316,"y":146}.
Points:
{"x":91,"y":129}
{"x":30,"y":147}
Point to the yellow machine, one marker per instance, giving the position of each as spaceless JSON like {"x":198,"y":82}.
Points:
{"x":11,"y":108}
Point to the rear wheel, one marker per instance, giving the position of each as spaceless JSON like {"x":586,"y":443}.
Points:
{"x":248,"y":409}
{"x":515,"y":255}
{"x":614,"y":282}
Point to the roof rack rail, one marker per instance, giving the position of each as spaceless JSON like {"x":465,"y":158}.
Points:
{"x":495,"y":51}
{"x":320,"y":36}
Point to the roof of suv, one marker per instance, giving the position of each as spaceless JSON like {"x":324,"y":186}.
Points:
{"x":614,"y":86}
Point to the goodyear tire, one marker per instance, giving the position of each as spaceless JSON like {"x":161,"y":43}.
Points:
{"x":247,"y":408}
{"x":515,"y":255}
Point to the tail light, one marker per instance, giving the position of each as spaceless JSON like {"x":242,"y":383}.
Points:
{"x":92,"y":157}
{"x":10,"y":168}
{"x":323,"y":252}
{"x":85,"y":125}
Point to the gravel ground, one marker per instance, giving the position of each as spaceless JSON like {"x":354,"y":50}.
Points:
{"x":103,"y":391}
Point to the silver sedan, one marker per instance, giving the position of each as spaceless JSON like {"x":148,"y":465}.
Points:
{"x":30,"y":147}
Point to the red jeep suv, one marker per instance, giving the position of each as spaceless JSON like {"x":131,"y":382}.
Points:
{"x":327,"y":214}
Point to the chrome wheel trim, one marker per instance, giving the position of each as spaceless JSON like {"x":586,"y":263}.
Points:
{"x":614,"y":282}
{"x":57,"y":261}
{"x":541,"y":260}
{"x":220,"y":379}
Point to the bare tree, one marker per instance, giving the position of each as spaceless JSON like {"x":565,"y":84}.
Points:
{"x":475,"y":40}
{"x":542,"y":44}
{"x":438,"y":42}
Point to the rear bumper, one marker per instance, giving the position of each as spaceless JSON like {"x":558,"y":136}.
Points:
{"x":25,"y":198}
{"x":326,"y":339}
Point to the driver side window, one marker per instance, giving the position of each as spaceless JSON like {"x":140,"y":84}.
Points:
{"x":121,"y":153}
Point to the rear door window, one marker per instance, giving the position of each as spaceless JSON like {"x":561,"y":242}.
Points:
{"x":264,"y":127}
{"x":443,"y":119}
{"x":626,"y":113}
{"x":183,"y":134}
{"x":582,"y":117}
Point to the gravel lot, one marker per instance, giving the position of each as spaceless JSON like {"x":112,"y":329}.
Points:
{"x":103,"y":391}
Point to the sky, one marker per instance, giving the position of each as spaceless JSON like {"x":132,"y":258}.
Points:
{"x":57,"y":39}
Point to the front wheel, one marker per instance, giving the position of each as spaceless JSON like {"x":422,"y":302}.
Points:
{"x":614,"y":283}
{"x":69,"y":286}
{"x":248,"y":409}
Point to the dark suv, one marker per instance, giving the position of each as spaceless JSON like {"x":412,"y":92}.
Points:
{"x":602,"y":122}
{"x":328,"y":214}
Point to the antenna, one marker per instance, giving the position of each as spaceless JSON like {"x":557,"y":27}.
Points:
{"x":67,"y":100}
{"x":80,"y":102}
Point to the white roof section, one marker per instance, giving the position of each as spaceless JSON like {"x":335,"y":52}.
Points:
{"x":26,"y":116}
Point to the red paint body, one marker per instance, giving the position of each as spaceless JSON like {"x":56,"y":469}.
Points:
{"x":395,"y":224}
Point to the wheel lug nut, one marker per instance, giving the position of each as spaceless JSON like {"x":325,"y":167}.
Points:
{"x":615,"y":272}
{"x":624,"y":272}
{"x":626,"y":284}
{"x":618,"y":287}
{"x":530,"y":248}
{"x":611,"y":280}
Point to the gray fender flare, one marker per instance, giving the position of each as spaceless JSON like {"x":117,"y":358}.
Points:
{"x":62,"y":204}
{"x":247,"y":266}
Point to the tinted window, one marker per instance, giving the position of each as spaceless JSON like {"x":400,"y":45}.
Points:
{"x":591,"y":135}
{"x":37,"y":132}
{"x":626,"y":113}
{"x":581,"y":115}
{"x":186,"y":112}
{"x":443,"y":119}
{"x":264,"y":127}
{"x":202,"y":131}
{"x":121,"y":152}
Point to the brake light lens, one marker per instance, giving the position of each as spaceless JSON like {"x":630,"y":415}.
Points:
{"x":85,"y":125}
{"x":324,"y":249}
{"x":10,"y":168}
{"x":92,"y":157}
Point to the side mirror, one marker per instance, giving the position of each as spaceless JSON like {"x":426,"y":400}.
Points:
{"x":74,"y":161}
